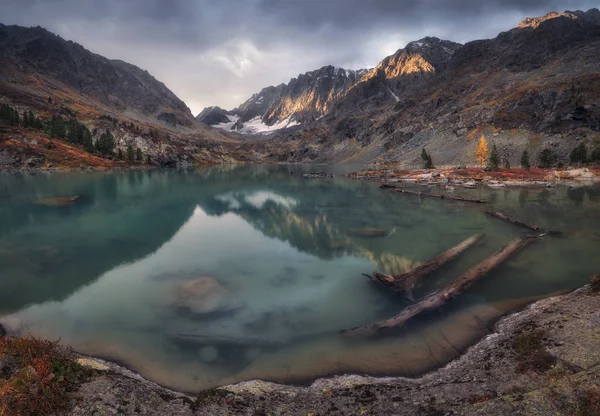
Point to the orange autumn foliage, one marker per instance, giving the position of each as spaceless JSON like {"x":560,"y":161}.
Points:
{"x":482,"y":154}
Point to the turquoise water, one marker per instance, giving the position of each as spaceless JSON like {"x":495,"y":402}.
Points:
{"x":281,"y":255}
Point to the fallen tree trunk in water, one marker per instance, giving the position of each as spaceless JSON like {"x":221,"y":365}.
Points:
{"x":439,"y":298}
{"x":505,"y":217}
{"x":425,"y":194}
{"x":224,"y":340}
{"x":405,"y":282}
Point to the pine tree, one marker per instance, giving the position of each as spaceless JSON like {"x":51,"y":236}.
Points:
{"x":74,"y":132}
{"x":129,"y":153}
{"x":482,"y":153}
{"x":57,"y":128}
{"x":506,"y":163}
{"x":494,"y":159}
{"x":25,"y":120}
{"x":120,"y":154}
{"x":427,"y":161}
{"x":595,"y":156}
{"x":138,"y":155}
{"x":88,"y":144}
{"x":546,"y":158}
{"x":525,"y":160}
{"x":106,"y":143}
{"x":579,"y":154}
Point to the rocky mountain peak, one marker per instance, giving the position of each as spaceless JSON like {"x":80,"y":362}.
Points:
{"x":590,"y":16}
{"x":303,"y":99}
{"x":213,"y":115}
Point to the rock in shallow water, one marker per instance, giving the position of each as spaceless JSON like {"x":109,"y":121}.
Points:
{"x":205,"y":295}
{"x":208,"y":354}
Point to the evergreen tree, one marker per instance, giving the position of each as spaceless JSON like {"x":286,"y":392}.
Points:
{"x":25,"y":120}
{"x":494,"y":159}
{"x":595,"y":156}
{"x":546,"y":158}
{"x":579,"y":154}
{"x":88,"y":143}
{"x":74,"y":132}
{"x":120,"y":154}
{"x":427,"y":161}
{"x":9,"y":114}
{"x":106,"y":143}
{"x":148,"y":159}
{"x":32,"y":121}
{"x":57,"y":128}
{"x":525,"y":160}
{"x":138,"y":155}
{"x":130,"y":153}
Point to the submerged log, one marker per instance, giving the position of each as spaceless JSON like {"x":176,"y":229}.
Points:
{"x":428,"y":195}
{"x":440,"y":298}
{"x":318,"y":175}
{"x":405,"y":282}
{"x":368,"y":232}
{"x":505,"y":217}
{"x":58,"y":201}
{"x":224,"y":340}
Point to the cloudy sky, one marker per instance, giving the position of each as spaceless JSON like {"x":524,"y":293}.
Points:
{"x":219,"y":52}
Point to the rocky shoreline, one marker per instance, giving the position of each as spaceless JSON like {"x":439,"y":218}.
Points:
{"x":544,"y":359}
{"x":470,"y":178}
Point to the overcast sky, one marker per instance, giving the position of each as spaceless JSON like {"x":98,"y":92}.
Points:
{"x":219,"y":52}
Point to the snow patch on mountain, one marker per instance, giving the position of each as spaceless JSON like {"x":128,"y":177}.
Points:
{"x":255,"y":125}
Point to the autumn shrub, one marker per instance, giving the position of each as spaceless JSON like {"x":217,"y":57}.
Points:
{"x":41,"y":378}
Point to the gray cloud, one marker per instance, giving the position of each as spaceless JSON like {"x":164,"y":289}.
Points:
{"x":219,"y":52}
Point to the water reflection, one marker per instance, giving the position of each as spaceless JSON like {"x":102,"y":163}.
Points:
{"x":220,"y":275}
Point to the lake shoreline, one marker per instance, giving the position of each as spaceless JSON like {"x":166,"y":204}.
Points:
{"x":469,"y":178}
{"x":541,"y":359}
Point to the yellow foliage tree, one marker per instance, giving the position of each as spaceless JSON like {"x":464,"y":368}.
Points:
{"x":482,"y":154}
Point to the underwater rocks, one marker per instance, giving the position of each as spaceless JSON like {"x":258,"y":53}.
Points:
{"x":204,"y":296}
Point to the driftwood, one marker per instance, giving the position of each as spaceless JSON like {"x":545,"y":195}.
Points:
{"x":439,"y":298}
{"x":505,"y":217}
{"x":428,"y":195}
{"x":318,"y":175}
{"x":405,"y":282}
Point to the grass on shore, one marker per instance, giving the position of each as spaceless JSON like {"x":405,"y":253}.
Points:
{"x":37,"y":377}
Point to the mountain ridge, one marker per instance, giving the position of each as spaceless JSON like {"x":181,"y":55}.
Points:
{"x":527,"y":88}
